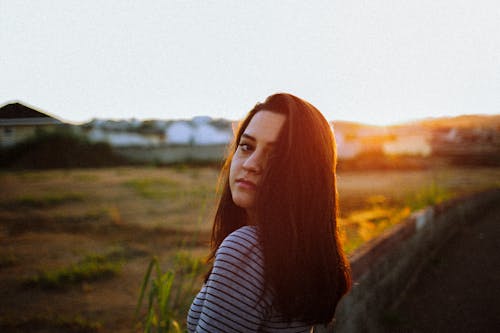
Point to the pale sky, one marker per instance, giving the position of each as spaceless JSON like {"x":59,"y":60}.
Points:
{"x":371,"y":61}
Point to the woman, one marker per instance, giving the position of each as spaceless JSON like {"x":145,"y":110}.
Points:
{"x":277,"y":263}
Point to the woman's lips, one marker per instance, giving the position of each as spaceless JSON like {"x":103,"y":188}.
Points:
{"x":246,"y":184}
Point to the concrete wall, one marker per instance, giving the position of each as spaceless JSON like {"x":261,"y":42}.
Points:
{"x":386,"y":267}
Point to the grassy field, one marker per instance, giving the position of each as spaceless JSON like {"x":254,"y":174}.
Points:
{"x":75,"y":244}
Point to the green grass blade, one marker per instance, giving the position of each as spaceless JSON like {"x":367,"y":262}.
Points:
{"x":144,"y":285}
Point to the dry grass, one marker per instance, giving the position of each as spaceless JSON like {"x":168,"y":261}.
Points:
{"x":50,"y":221}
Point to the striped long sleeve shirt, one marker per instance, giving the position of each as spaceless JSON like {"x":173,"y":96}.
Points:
{"x":233,"y":299}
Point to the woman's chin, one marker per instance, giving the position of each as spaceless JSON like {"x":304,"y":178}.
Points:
{"x":243,"y":202}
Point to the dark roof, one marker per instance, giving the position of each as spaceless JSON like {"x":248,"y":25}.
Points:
{"x":18,"y":110}
{"x":19,"y":114}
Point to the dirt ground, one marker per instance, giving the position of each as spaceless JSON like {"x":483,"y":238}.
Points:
{"x":38,"y":235}
{"x":108,"y":303}
{"x":117,"y":209}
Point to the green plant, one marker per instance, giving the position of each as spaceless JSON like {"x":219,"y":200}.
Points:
{"x":158,"y":314}
{"x":428,"y":196}
{"x":169,"y":293}
{"x":92,"y":267}
{"x":63,"y":147}
{"x":47,"y":200}
{"x":362,"y":225}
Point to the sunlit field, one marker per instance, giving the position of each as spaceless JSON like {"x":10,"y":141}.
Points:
{"x":75,"y":245}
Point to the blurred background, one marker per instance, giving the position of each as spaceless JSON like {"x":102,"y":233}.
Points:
{"x":115,"y":117}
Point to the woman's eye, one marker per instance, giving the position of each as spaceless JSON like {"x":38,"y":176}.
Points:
{"x":245,"y":147}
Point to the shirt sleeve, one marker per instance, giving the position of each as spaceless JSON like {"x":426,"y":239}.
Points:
{"x":234,"y":292}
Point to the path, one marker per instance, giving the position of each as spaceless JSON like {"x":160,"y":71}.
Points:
{"x":459,"y":290}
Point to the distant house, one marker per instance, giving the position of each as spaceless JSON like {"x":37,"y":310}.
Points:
{"x":408,"y":145}
{"x":199,"y":139}
{"x":408,"y":140}
{"x":353,"y":139}
{"x":122,"y":138}
{"x":346,"y":149}
{"x":206,"y":134}
{"x":179,"y":133}
{"x":19,"y":122}
{"x":200,"y":131}
{"x":123,"y":133}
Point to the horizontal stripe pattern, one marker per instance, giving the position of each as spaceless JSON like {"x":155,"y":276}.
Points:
{"x":233,"y":298}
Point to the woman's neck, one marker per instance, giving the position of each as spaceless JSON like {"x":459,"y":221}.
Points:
{"x":251,"y":218}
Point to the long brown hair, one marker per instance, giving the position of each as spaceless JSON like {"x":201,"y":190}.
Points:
{"x":296,"y":213}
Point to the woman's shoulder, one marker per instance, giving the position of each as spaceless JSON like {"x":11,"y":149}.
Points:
{"x":245,"y":236}
{"x":239,"y":258}
{"x":243,"y":240}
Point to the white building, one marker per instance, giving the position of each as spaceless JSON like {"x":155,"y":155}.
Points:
{"x":408,"y":145}
{"x":346,"y":149}
{"x":197,"y":132}
{"x":180,"y":133}
{"x":122,"y":139}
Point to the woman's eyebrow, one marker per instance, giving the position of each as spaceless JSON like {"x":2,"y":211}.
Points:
{"x":248,"y":136}
{"x":253,"y":139}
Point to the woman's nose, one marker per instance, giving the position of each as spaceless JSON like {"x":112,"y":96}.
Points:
{"x":253,"y":163}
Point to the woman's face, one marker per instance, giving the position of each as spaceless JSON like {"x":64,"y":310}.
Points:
{"x":251,"y":156}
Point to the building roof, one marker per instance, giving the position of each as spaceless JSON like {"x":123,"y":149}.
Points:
{"x":19,"y":114}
